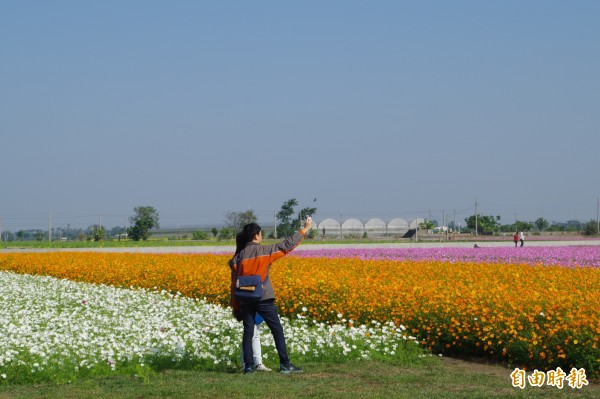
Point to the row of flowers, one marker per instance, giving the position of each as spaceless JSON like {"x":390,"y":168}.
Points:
{"x":532,"y":314}
{"x":59,"y":330}
{"x":561,"y":255}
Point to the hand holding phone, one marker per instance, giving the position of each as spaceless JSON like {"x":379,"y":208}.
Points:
{"x":307,"y":223}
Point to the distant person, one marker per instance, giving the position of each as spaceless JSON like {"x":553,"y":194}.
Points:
{"x":522,"y":237}
{"x":516,"y":238}
{"x":253,"y":258}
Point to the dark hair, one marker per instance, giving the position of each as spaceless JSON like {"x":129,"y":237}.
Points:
{"x":242,"y":239}
{"x":245,"y":236}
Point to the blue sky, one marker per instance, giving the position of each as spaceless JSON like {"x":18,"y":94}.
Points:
{"x":378,"y":109}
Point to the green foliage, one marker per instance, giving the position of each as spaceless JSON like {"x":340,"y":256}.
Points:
{"x":214,"y":231}
{"x":590,"y":228}
{"x":145,"y":218}
{"x":116,"y":231}
{"x":284,"y":216}
{"x":484,"y":224}
{"x":200,"y":235}
{"x":522,"y":226}
{"x":96,"y":233}
{"x":427,"y":225}
{"x":226,"y":233}
{"x":507,"y":228}
{"x":570,"y":225}
{"x":304,"y":213}
{"x":541,"y":224}
{"x":237,"y":220}
{"x":287,"y":224}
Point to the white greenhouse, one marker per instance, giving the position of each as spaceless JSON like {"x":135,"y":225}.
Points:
{"x":353,"y":228}
{"x":397,"y":227}
{"x":375,"y":228}
{"x":329,"y":228}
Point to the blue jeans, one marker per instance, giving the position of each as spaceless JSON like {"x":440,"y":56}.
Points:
{"x":268,"y":311}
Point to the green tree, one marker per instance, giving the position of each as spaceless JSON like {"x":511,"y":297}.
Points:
{"x":427,"y":225}
{"x":199,"y":235}
{"x":590,"y":228}
{"x":214,"y":231}
{"x":287,"y":223}
{"x":226,"y":233}
{"x":237,"y":220}
{"x":145,"y":219}
{"x":541,"y":224}
{"x":96,"y":233}
{"x":302,"y":215}
{"x":284,"y":216}
{"x":573,"y":225}
{"x":485,"y":224}
{"x":117,"y":231}
{"x":523,"y":226}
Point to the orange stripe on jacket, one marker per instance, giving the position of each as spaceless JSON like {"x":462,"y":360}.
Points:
{"x":256,"y":259}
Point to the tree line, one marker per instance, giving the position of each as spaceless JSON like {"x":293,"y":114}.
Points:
{"x":489,"y":225}
{"x":146,"y":220}
{"x":288,"y":220}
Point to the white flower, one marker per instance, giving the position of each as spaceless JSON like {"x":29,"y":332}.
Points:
{"x":124,"y":325}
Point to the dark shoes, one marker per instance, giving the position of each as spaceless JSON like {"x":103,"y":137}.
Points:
{"x":283,"y":369}
{"x":289,"y":369}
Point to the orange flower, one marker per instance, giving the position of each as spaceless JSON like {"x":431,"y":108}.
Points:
{"x":532,"y":315}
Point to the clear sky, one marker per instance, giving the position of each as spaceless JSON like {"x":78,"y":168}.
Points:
{"x":376,"y":108}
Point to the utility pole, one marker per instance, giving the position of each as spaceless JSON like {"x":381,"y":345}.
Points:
{"x":417,"y":229}
{"x":443,"y":220}
{"x":49,"y":227}
{"x":476,"y":233}
{"x":454,"y":227}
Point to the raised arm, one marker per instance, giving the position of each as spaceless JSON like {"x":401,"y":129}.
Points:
{"x":280,"y":249}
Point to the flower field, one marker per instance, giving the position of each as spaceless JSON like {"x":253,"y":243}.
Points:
{"x":59,"y":330}
{"x":532,"y":307}
{"x":561,"y":256}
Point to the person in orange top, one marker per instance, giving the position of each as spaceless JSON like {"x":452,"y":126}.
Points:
{"x":252,"y":258}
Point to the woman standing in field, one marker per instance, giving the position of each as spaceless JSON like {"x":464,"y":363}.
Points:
{"x":256,"y":259}
{"x":240,"y":243}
